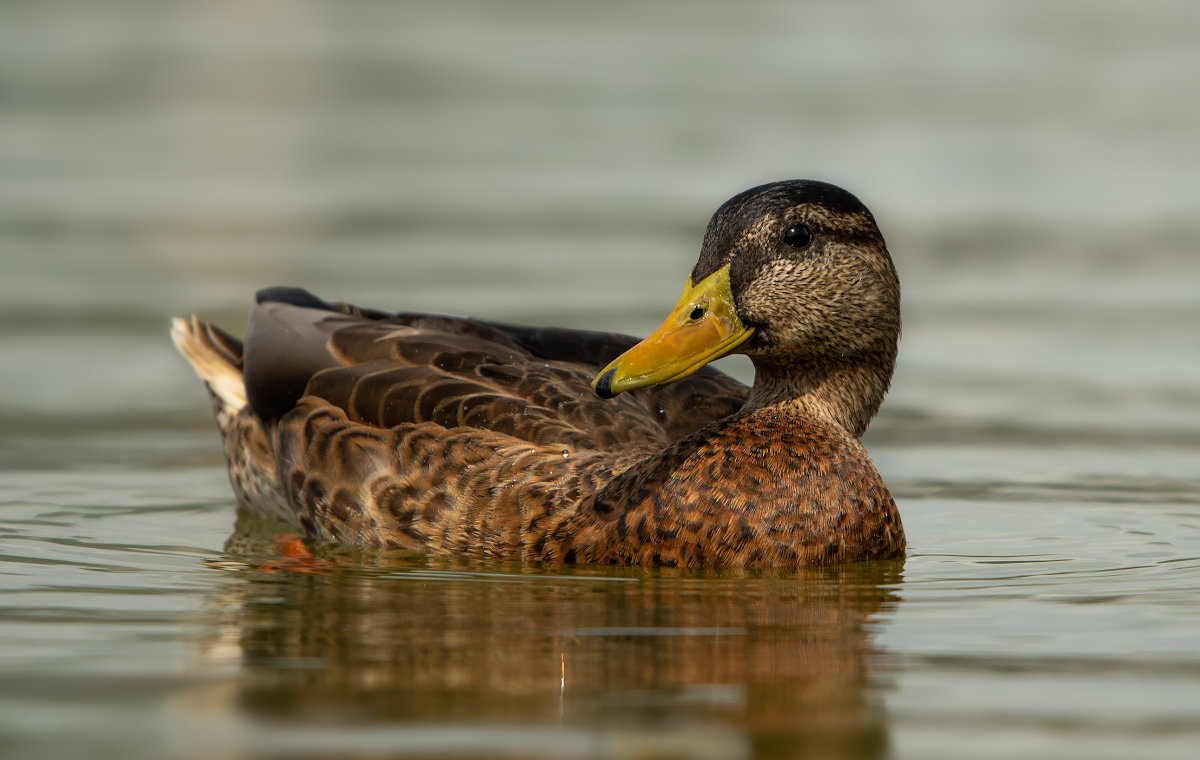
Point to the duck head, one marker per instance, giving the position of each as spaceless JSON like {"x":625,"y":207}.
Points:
{"x":793,"y":274}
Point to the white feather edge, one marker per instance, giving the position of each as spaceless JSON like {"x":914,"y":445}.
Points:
{"x":222,"y":378}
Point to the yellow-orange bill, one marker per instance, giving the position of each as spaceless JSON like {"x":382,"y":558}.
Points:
{"x":703,"y":327}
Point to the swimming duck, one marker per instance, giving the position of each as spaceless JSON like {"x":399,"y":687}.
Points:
{"x":447,"y":435}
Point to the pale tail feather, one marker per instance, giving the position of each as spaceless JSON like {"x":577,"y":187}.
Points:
{"x":216,"y":358}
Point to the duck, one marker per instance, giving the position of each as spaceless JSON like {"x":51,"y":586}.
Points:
{"x":446,"y":435}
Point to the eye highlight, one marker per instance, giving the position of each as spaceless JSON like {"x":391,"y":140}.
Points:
{"x":798,"y":236}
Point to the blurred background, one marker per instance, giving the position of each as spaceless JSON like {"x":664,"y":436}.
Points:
{"x":1034,"y":167}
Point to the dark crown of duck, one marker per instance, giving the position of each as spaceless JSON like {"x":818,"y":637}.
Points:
{"x":796,"y":276}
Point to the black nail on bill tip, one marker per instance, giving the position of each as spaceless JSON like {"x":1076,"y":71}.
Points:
{"x":604,"y":384}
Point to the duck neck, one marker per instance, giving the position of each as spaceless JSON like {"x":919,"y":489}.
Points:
{"x":846,"y":391}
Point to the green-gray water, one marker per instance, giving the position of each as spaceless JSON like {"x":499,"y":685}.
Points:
{"x":1034,"y":167}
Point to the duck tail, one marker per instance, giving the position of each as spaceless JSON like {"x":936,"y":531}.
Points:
{"x":216,"y":356}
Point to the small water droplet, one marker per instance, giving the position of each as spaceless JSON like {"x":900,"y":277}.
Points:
{"x":566,"y":453}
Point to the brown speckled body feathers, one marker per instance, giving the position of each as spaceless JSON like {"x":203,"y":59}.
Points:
{"x":446,"y":435}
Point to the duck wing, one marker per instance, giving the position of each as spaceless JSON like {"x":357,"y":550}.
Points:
{"x":432,"y":433}
{"x":532,"y":384}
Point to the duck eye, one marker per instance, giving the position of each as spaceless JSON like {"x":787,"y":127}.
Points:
{"x":798,"y":237}
{"x":696,"y":313}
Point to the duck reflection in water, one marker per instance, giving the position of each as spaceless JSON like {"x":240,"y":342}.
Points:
{"x":765,"y":664}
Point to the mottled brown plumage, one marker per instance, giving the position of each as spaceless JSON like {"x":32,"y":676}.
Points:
{"x":447,"y":435}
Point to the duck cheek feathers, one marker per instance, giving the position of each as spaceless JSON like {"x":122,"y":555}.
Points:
{"x":820,"y":309}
